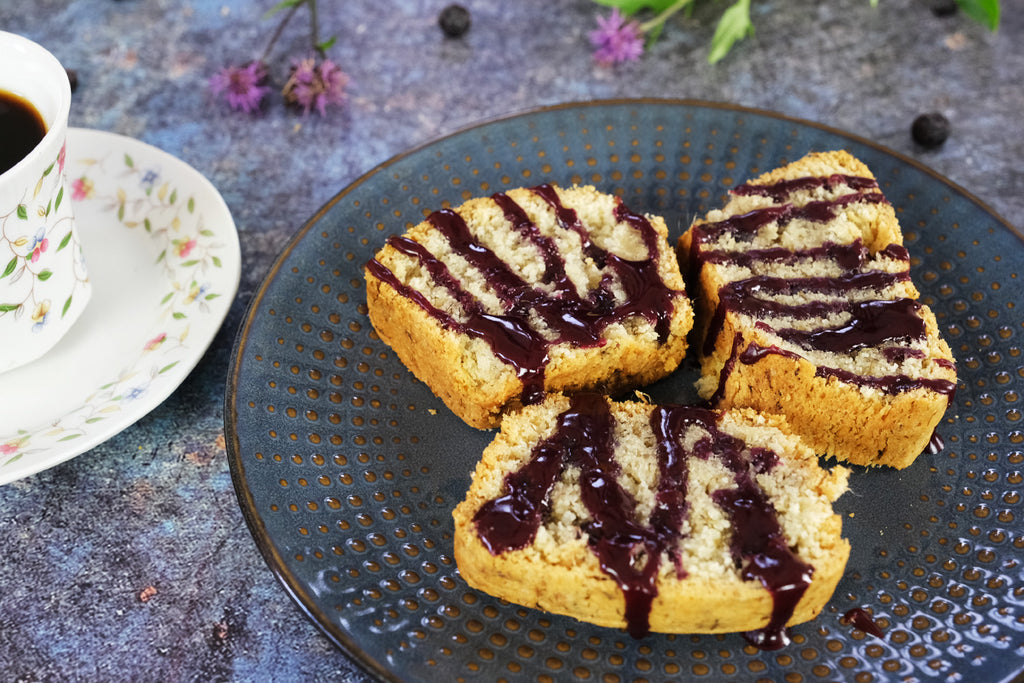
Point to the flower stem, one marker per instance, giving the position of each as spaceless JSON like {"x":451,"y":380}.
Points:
{"x":314,"y":27}
{"x":280,"y":27}
{"x":662,"y":16}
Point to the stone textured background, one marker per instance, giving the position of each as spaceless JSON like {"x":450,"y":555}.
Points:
{"x":132,"y":562}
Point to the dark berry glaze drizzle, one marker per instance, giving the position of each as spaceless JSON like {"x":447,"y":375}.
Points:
{"x":781,"y":190}
{"x":628,"y":550}
{"x":571,"y":318}
{"x":859,"y":618}
{"x":888,"y":324}
{"x":751,"y":297}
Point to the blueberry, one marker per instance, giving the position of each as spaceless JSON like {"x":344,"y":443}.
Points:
{"x":454,"y":20}
{"x":930,"y":130}
{"x":944,"y":8}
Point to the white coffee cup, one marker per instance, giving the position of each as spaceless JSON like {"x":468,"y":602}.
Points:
{"x":43,"y":281}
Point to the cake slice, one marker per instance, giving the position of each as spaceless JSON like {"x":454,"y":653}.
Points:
{"x":506,"y":297}
{"x":655,"y":518}
{"x":806,"y":309}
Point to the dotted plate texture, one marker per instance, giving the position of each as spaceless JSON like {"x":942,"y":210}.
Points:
{"x":347,"y":468}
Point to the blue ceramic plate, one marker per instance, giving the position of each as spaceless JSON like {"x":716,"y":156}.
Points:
{"x":347,"y":468}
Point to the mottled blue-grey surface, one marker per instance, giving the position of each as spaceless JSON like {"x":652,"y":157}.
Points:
{"x":132,"y":561}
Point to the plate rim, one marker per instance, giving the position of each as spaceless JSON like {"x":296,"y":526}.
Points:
{"x":254,"y":521}
{"x":184,"y":367}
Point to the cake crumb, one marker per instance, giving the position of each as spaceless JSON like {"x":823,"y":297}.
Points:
{"x":956,"y":41}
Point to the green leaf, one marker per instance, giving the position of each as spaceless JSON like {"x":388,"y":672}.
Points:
{"x":206,"y":232}
{"x":174,"y":196}
{"x":178,"y":315}
{"x":48,"y":169}
{"x":166,"y":368}
{"x":985,"y":12}
{"x":12,"y":264}
{"x":284,"y":4}
{"x":93,"y":420}
{"x":190,"y":262}
{"x":13,"y":459}
{"x":161,"y":256}
{"x":211,"y":297}
{"x":327,"y":44}
{"x":191,"y":204}
{"x":22,"y":212}
{"x":67,"y":305}
{"x":60,"y":196}
{"x":65,"y":242}
{"x":147,"y":225}
{"x":48,"y":207}
{"x":70,"y":436}
{"x":120,"y":212}
{"x":167,"y":297}
{"x":629,"y":7}
{"x":216,"y":261}
{"x":128,"y":161}
{"x":45,"y":275}
{"x":734,"y":25}
{"x":7,"y":308}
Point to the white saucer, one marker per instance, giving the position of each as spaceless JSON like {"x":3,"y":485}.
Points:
{"x":163,"y":257}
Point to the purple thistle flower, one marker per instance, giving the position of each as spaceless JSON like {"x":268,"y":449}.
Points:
{"x":314,"y":86}
{"x":242,"y":85}
{"x":616,"y":39}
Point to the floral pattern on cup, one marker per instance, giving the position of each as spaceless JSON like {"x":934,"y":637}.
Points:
{"x":139,"y":196}
{"x":34,"y":235}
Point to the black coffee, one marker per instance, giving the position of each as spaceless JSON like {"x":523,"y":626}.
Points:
{"x":21,"y":129}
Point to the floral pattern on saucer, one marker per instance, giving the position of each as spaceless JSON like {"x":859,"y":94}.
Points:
{"x":176,"y":217}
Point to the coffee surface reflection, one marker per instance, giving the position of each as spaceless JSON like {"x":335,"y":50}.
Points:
{"x":21,"y":129}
